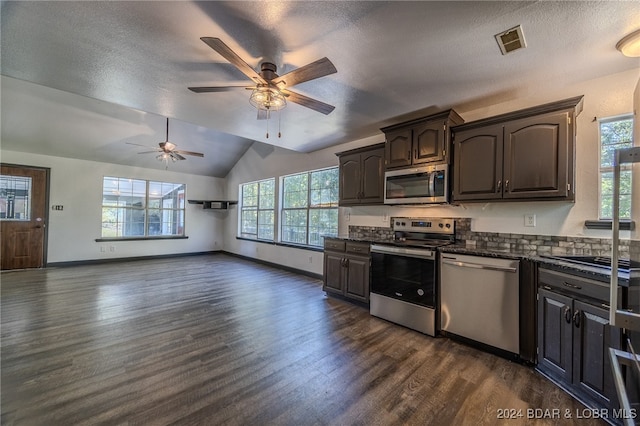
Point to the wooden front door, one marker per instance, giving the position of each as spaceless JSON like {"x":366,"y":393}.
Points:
{"x":23,"y":208}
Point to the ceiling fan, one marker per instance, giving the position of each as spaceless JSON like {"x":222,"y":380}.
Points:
{"x":271,"y":91}
{"x":167,"y":150}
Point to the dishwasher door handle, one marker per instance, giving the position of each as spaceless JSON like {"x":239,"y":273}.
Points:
{"x":478,"y":266}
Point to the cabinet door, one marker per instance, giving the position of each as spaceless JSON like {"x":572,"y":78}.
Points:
{"x":478,"y":164}
{"x":536,"y":156}
{"x":428,"y":142}
{"x":555,"y":316}
{"x":350,"y":179}
{"x":398,"y":150}
{"x":592,"y":338}
{"x":357,"y":282}
{"x":372,"y":175}
{"x":333,"y":272}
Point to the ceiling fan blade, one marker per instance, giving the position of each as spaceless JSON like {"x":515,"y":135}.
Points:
{"x":149,"y":152}
{"x":308,"y":102}
{"x":195,"y":154}
{"x":137,"y":144}
{"x":217,"y":88}
{"x":177,"y":156}
{"x":231,"y":56}
{"x":311,"y":71}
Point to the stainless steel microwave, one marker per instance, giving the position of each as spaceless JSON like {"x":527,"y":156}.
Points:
{"x":417,"y":185}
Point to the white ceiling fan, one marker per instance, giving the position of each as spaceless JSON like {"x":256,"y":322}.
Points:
{"x":167,"y":151}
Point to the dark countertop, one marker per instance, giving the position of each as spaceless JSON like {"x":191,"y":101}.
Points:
{"x":596,"y":273}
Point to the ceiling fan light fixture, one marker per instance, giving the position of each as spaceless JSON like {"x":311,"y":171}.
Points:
{"x":630,"y":45}
{"x":267,"y":98}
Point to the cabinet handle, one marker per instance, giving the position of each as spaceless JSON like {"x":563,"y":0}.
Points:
{"x":346,"y":263}
{"x":499,"y":186}
{"x":409,"y":155}
{"x":506,"y":185}
{"x":577,"y":287}
{"x":576,"y":319}
{"x":567,"y":314}
{"x":416,"y":153}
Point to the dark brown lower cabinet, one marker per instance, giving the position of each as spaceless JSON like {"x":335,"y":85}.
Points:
{"x":346,"y":269}
{"x":574,"y":338}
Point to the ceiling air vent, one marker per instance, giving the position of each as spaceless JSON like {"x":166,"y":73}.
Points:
{"x":511,"y":40}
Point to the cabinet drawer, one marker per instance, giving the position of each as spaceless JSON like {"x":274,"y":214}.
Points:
{"x":357,"y":248}
{"x":336,"y":245}
{"x":578,"y":286}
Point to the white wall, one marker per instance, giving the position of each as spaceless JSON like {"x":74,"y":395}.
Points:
{"x":77,"y":186}
{"x":604,"y":97}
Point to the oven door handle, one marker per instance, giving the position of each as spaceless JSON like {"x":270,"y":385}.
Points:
{"x":478,"y":266}
{"x":402,"y":251}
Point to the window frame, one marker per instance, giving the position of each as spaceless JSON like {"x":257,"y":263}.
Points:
{"x":602,"y":170}
{"x":255,"y":236}
{"x":334,"y":205}
{"x":179,"y":211}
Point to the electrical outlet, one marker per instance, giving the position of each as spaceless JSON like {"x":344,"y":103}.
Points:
{"x":530,"y":220}
{"x":103,"y":249}
{"x":385,"y":218}
{"x":112,"y":248}
{"x":310,"y":259}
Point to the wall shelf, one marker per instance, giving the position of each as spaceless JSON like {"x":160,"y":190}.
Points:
{"x":214,"y":204}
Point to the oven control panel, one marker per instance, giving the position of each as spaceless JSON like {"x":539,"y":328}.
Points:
{"x":426,"y":225}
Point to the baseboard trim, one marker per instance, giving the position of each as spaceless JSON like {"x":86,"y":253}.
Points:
{"x":163,"y":256}
{"x":276,"y":265}
{"x":126,"y":259}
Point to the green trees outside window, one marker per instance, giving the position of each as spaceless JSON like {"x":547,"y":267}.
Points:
{"x":257,"y":209}
{"x":308,"y":208}
{"x":616,"y":133}
{"x":142,"y":208}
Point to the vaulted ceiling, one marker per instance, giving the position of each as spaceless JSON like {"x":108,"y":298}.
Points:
{"x":81,"y":79}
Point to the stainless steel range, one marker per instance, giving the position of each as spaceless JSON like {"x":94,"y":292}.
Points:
{"x":404,"y":277}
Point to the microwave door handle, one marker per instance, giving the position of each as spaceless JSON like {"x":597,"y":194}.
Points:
{"x":432,"y":184}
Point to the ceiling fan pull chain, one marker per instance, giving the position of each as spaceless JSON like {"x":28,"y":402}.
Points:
{"x":279,"y":122}
{"x":268,"y":118}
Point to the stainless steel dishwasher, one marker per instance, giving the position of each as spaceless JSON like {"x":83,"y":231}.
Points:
{"x":480,"y":299}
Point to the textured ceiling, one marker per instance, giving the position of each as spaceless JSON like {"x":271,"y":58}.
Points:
{"x":82,"y":78}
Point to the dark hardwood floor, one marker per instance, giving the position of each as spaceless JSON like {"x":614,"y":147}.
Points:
{"x":209,"y":340}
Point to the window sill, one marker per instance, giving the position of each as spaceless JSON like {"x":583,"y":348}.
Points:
{"x":178,"y":237}
{"x":625,"y":225}
{"x":273,"y":243}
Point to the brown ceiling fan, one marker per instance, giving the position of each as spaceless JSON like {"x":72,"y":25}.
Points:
{"x":167,"y":150}
{"x":271,"y":90}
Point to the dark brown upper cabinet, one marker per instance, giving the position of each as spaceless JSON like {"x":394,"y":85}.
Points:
{"x":362,"y":176}
{"x":424,"y":140}
{"x":525,"y":155}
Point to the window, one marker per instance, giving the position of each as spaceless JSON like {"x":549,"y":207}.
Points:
{"x":257,"y":211}
{"x":309,"y":207}
{"x":615,"y":133}
{"x":141,"y":208}
{"x":15,"y":197}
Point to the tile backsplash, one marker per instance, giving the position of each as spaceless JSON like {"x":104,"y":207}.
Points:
{"x":521,"y":243}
